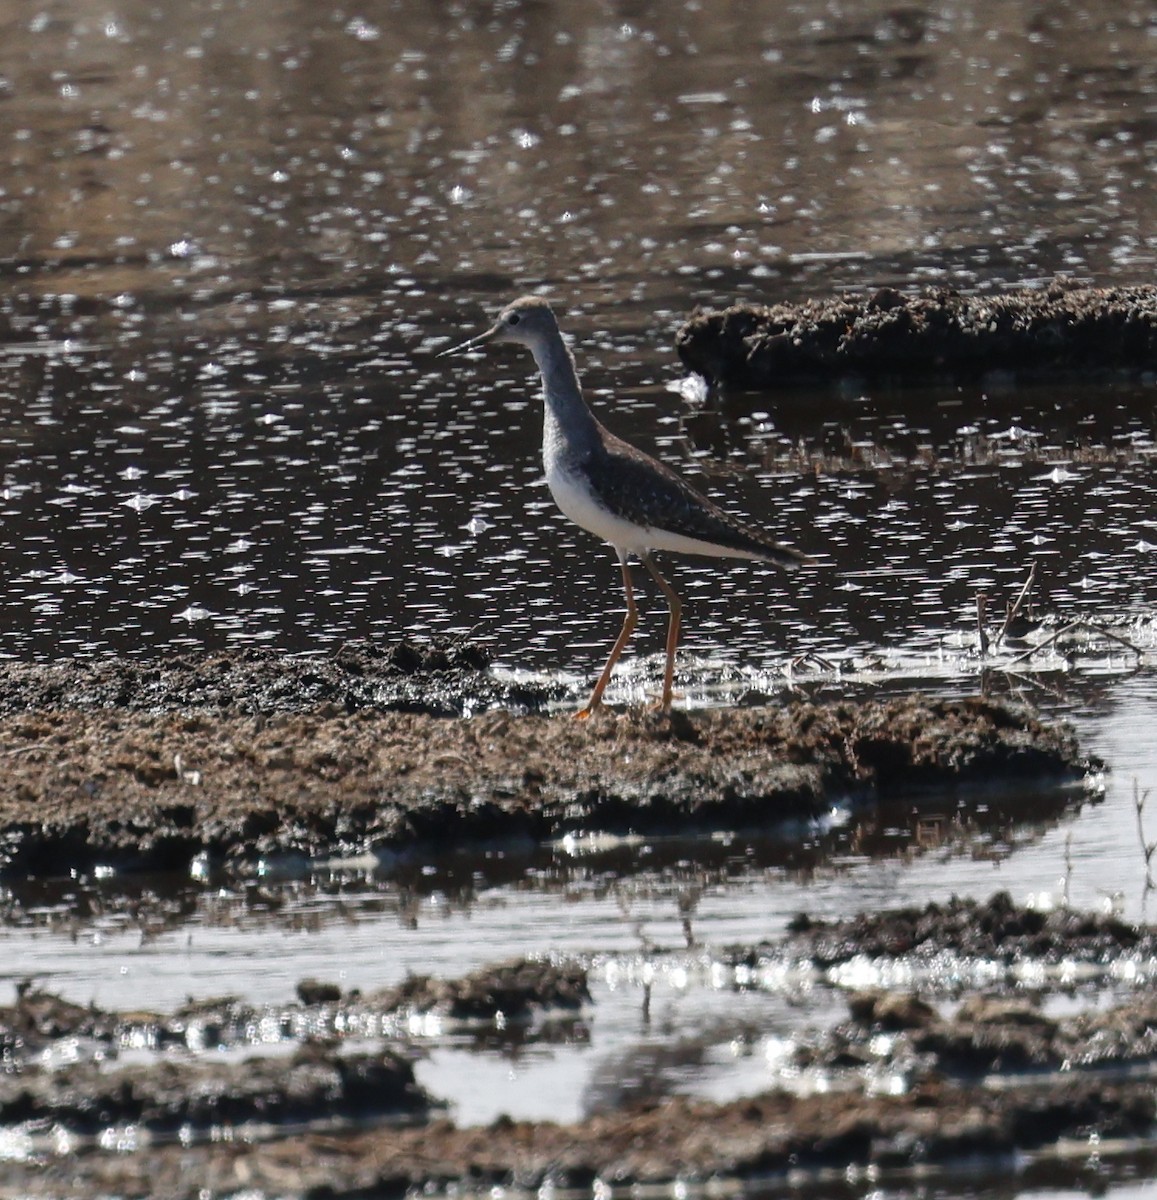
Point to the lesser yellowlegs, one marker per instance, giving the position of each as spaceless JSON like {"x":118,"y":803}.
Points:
{"x":615,"y":491}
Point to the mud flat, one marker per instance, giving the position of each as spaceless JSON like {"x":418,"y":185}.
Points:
{"x":248,"y":756}
{"x":992,"y":1084}
{"x":768,"y":1140}
{"x":242,"y":758}
{"x":188,"y":1091}
{"x":1060,"y":331}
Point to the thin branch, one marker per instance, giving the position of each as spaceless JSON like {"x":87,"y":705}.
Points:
{"x":1148,"y":849}
{"x":32,"y":746}
{"x":812,"y":656}
{"x":1072,"y":625}
{"x":1046,"y":643}
{"x":1015,"y":609}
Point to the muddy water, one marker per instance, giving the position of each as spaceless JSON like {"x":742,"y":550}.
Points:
{"x":231,"y":238}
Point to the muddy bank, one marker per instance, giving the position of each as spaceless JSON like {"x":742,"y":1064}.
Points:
{"x":61,"y":1068}
{"x":156,"y":781}
{"x":164,"y":1100}
{"x":437,"y":677}
{"x":983,"y":1034}
{"x":919,"y":337}
{"x":522,"y":993}
{"x":771,"y":1140}
{"x":971,"y":1087}
{"x":996,"y":930}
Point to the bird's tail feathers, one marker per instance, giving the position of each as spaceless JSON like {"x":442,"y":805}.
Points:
{"x":785,"y":556}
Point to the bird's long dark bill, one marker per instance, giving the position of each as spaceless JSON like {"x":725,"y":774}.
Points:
{"x":472,"y":344}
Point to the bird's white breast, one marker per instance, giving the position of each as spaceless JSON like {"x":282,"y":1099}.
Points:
{"x":573,"y":495}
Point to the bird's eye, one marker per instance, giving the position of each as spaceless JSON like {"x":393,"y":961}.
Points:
{"x":513,"y":319}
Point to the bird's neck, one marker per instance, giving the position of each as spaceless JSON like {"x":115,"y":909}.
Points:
{"x":568,"y":421}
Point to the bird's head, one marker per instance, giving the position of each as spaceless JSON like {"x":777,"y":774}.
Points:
{"x":528,"y":321}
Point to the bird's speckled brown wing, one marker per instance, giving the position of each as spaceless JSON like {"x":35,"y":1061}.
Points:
{"x":631,"y":483}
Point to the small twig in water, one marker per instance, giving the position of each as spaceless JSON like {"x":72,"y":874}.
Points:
{"x":688,"y":902}
{"x":812,"y":656}
{"x":1148,"y":849}
{"x":1049,"y":641}
{"x":1068,"y":866}
{"x":1113,"y":637}
{"x":981,"y":612}
{"x":1016,"y":606}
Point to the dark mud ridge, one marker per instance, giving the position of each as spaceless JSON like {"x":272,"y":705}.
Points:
{"x":997,"y":931}
{"x":765,"y":1140}
{"x":993,"y":1084}
{"x":188,"y":1092}
{"x":933,"y":335}
{"x":170,"y":763}
{"x":439,"y":678}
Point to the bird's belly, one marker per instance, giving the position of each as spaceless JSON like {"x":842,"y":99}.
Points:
{"x":575,"y":499}
{"x":573,"y":495}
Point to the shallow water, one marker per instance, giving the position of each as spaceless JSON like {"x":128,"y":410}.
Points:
{"x":234,"y":236}
{"x":649,"y":922}
{"x":231,"y":239}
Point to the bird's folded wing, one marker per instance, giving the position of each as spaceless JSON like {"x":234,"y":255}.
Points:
{"x":641,"y":489}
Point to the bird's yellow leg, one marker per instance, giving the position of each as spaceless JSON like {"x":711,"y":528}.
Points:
{"x":629,"y":623}
{"x":676,"y":607}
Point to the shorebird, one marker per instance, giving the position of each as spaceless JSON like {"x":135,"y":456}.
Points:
{"x":617,"y":492}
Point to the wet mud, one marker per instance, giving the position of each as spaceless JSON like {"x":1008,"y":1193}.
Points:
{"x":765,"y":1140}
{"x":62,"y":1067}
{"x":519,"y":993}
{"x":910,"y":1082}
{"x":189,"y":1099}
{"x":986,"y":1034}
{"x":438,"y":677}
{"x":944,"y":336}
{"x":250,"y":757}
{"x":996,"y":930}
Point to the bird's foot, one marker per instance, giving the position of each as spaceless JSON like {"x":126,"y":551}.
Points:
{"x":663,"y":704}
{"x":594,"y":712}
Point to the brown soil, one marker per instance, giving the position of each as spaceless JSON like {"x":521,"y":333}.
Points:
{"x":161,"y":1099}
{"x":439,"y":678}
{"x":996,"y":931}
{"x":762,"y":1139}
{"x":247,"y":755}
{"x":518,"y":993}
{"x":941,"y":335}
{"x":235,"y":757}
